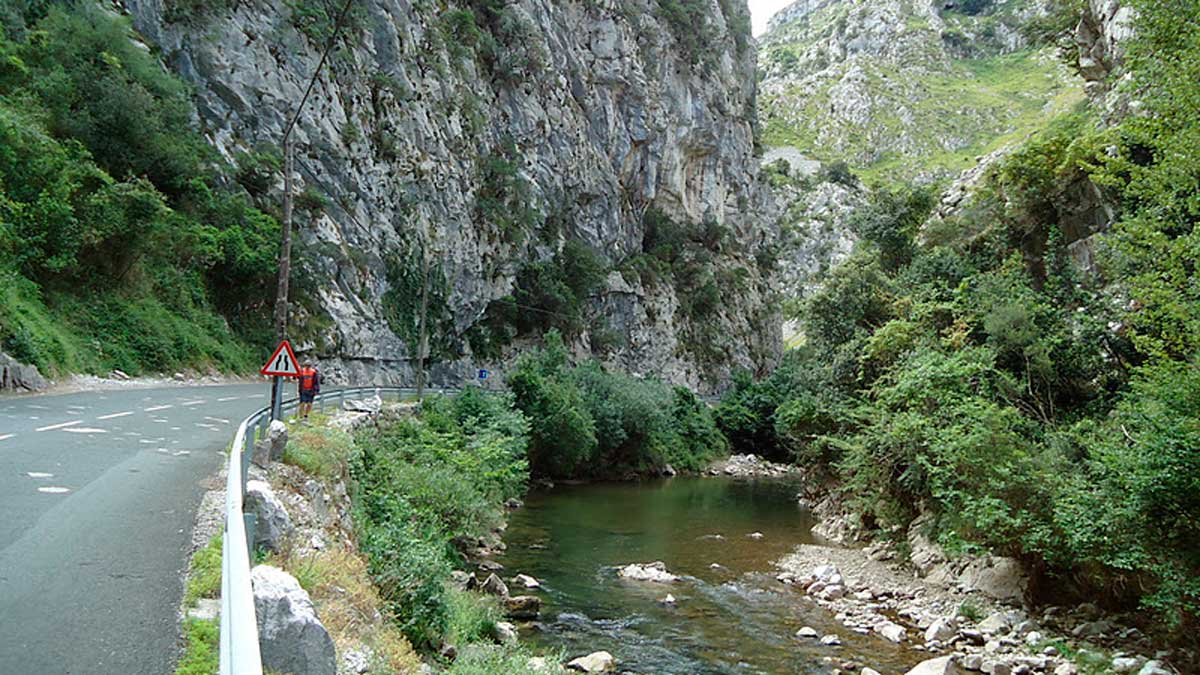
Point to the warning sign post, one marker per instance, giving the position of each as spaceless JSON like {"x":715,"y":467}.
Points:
{"x":281,"y":364}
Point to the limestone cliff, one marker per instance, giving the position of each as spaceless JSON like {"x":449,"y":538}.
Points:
{"x":484,"y":141}
{"x":908,"y":89}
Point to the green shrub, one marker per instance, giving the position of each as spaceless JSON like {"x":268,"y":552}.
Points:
{"x":202,"y":654}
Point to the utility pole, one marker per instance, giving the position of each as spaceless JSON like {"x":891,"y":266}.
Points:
{"x":423,"y":339}
{"x":285,"y":249}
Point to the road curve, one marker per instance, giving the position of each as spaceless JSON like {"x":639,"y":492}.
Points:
{"x":98,"y":491}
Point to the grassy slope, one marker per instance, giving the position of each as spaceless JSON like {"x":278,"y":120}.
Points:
{"x":948,"y":111}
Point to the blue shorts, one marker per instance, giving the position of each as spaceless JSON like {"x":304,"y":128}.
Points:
{"x":307,"y":396}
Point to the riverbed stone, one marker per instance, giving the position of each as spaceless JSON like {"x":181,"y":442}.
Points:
{"x":972,"y":662}
{"x":831,"y":640}
{"x":807,"y":632}
{"x":944,"y":665}
{"x":1066,"y":669}
{"x":494,"y":585}
{"x":596,"y":662}
{"x":655,"y":571}
{"x":504,"y":632}
{"x":893,"y":632}
{"x":1125,"y":664}
{"x":1154,"y":667}
{"x":869,"y":671}
{"x":942,"y":630}
{"x":523,"y":607}
{"x":527,"y":581}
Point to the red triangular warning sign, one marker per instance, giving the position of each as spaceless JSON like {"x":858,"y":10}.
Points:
{"x":283,"y":362}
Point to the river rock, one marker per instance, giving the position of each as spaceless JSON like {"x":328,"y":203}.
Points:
{"x":1067,"y":668}
{"x":504,"y":633}
{"x":1032,"y":638}
{"x":527,"y":581}
{"x":669,"y":600}
{"x":596,"y":662}
{"x":272,"y":523}
{"x":972,"y":662}
{"x":945,"y":665}
{"x":493,"y":585}
{"x":942,"y":630}
{"x":1091,"y":629}
{"x":523,"y":607}
{"x":1154,"y":668}
{"x":655,"y":571}
{"x":1125,"y":664}
{"x":831,"y":641}
{"x":807,"y":632}
{"x":998,"y":623}
{"x":291,"y":637}
{"x":893,"y":632}
{"x":869,"y":671}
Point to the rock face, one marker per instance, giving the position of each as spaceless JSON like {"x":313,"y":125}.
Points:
{"x":16,"y":376}
{"x":272,"y":522}
{"x":1099,"y":37}
{"x":436,"y":154}
{"x":291,"y":636}
{"x":892,"y":83}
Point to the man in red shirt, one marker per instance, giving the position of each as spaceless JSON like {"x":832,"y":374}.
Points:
{"x":310,"y":386}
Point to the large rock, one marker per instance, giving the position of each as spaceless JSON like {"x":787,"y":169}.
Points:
{"x":271,"y":448}
{"x":523,"y":607}
{"x":272,"y":523}
{"x":942,"y":630}
{"x":16,"y":376}
{"x":945,"y":665}
{"x":996,"y":577}
{"x":655,"y":571}
{"x":596,"y":662}
{"x":925,"y":554}
{"x":291,"y":637}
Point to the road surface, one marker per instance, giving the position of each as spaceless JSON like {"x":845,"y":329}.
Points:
{"x":98,"y":491}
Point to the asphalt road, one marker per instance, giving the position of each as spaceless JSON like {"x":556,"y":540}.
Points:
{"x":98,"y":492}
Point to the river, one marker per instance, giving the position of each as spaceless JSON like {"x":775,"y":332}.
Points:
{"x":730,"y":615}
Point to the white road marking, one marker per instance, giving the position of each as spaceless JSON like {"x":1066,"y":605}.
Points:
{"x":115,"y":415}
{"x":176,"y":428}
{"x":217,"y":419}
{"x":145,"y":440}
{"x":182,"y":452}
{"x":157,"y":408}
{"x":5,"y":437}
{"x":36,"y":407}
{"x":86,"y":430}
{"x":54,"y":489}
{"x":38,"y":474}
{"x":228,"y":398}
{"x":163,"y":451}
{"x":160,"y":420}
{"x":186,"y":403}
{"x":208,"y":426}
{"x":59,"y":426}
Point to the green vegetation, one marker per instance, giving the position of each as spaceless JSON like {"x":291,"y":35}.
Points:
{"x":204,"y":579}
{"x":1039,"y":409}
{"x":588,"y":422}
{"x":422,"y":483}
{"x":119,"y":248}
{"x":203,"y":652}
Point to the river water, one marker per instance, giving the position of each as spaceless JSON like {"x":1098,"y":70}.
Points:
{"x":732,"y":618}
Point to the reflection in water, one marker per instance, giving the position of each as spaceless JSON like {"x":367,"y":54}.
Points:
{"x":730,"y":615}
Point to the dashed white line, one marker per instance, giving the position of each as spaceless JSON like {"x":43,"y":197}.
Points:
{"x":39,"y":474}
{"x":37,"y":407}
{"x":157,"y":408}
{"x":54,"y":489}
{"x":217,"y":419}
{"x":187,"y":403}
{"x":5,"y":437}
{"x":115,"y":415}
{"x":86,"y":430}
{"x":52,"y":427}
{"x":228,"y":398}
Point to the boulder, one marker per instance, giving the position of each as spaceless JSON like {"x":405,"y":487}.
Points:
{"x":271,"y":448}
{"x":807,"y":632}
{"x":869,"y":671}
{"x":596,"y":662}
{"x":893,"y":632}
{"x":942,"y":630}
{"x":655,"y":571}
{"x":1091,"y":629}
{"x":925,"y":554}
{"x":996,"y":577}
{"x":999,"y":623}
{"x":272,"y":523}
{"x":1032,"y":638}
{"x":1066,"y":669}
{"x":369,"y":405}
{"x":17,"y":376}
{"x":945,"y":665}
{"x":504,"y":633}
{"x":493,"y":585}
{"x":972,"y":662}
{"x":523,"y":607}
{"x":831,"y":641}
{"x":290,"y":635}
{"x":527,"y":581}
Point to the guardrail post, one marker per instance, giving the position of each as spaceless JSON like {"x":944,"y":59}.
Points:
{"x":251,"y":522}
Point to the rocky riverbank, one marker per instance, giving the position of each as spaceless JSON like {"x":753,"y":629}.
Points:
{"x":975,"y":620}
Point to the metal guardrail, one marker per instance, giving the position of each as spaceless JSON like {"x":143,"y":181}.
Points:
{"x":240,"y":653}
